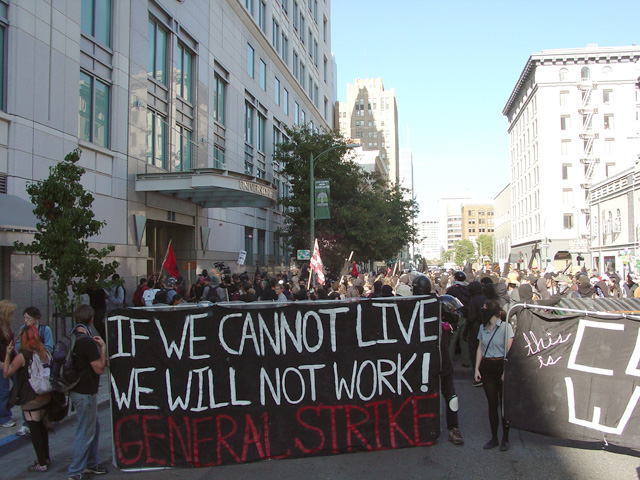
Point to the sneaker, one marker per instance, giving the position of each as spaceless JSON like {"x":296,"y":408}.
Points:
{"x":22,"y":431}
{"x":37,"y":468}
{"x":455,"y":437}
{"x":77,"y":476}
{"x":476,"y":384}
{"x":8,"y":424}
{"x":97,"y":470}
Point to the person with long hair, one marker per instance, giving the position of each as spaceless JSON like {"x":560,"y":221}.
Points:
{"x":493,"y":345}
{"x":7,"y":309}
{"x":33,"y":405}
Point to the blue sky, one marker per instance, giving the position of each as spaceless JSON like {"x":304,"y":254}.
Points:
{"x":453,"y":65}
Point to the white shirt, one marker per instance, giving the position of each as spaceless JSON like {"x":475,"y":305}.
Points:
{"x":149,"y":295}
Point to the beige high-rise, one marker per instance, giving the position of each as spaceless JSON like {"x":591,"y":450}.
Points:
{"x":370,"y":116}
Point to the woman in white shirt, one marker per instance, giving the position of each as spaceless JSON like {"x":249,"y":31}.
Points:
{"x":493,"y":346}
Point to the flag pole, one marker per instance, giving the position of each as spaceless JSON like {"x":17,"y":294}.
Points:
{"x":165,"y":258}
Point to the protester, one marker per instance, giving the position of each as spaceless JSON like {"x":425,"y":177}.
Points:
{"x":90,"y":360}
{"x":7,"y":309}
{"x":137,"y":295}
{"x":490,"y":355}
{"x":32,"y":317}
{"x":150,"y":294}
{"x":33,"y":406}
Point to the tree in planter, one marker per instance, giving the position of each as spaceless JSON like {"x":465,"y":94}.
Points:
{"x":367,"y":216}
{"x":65,"y":224}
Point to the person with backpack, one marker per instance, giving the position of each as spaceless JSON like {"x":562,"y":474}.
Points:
{"x":460,"y":290}
{"x":32,"y":317}
{"x":137,"y":295}
{"x":33,"y":405}
{"x":90,"y":360}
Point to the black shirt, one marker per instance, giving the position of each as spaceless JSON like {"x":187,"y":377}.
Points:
{"x":86,"y":351}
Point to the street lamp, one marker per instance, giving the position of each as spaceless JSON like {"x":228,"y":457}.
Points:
{"x":312,"y":189}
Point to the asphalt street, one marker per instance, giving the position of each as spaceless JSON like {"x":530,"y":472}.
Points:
{"x":531,"y":456}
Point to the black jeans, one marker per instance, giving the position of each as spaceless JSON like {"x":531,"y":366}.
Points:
{"x":491,"y":373}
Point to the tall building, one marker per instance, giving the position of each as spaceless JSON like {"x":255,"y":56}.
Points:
{"x":477,"y":219}
{"x":370,"y":116}
{"x":176,"y":106}
{"x":502,"y":227}
{"x":428,"y":245}
{"x":450,"y":218}
{"x":573,"y":121}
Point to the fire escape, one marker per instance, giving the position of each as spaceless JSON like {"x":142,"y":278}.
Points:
{"x":588,"y":159}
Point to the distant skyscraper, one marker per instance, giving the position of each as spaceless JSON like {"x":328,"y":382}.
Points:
{"x":428,"y":245}
{"x":370,"y":115}
{"x":449,"y":216}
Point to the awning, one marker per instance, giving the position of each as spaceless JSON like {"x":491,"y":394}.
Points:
{"x":16,"y":214}
{"x":210,"y":188}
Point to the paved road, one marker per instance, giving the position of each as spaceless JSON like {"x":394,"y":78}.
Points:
{"x":531,"y":457}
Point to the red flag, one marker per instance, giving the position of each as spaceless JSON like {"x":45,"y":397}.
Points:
{"x":354,"y":271}
{"x":316,"y":263}
{"x":170,"y":263}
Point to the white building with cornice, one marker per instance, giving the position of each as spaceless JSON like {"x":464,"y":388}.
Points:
{"x":573,"y":121}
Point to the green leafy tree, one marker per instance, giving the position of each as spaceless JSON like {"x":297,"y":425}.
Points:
{"x":464,"y":250}
{"x":446,"y":256}
{"x":367,"y":216}
{"x":485,"y":246}
{"x":65,"y":224}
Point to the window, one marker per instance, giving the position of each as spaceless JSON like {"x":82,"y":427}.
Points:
{"x":285,"y":98}
{"x":263,"y":75}
{"x":93,"y":110}
{"x":564,"y":74}
{"x":587,"y":121}
{"x":96,"y":20}
{"x":262,"y":17}
{"x":310,"y":44}
{"x":185,"y":145}
{"x":302,"y":28}
{"x":3,"y":33}
{"x":275,"y":35}
{"x":250,"y":60}
{"x":276,"y":90}
{"x":184,"y":73}
{"x":156,"y":139}
{"x":586,"y":98}
{"x":295,"y":65}
{"x":248,"y":124}
{"x":609,"y":145}
{"x":565,"y":171}
{"x":568,"y":221}
{"x":565,"y":147}
{"x":567,"y":196}
{"x":324,"y":69}
{"x":157,"y":52}
{"x":608,"y":121}
{"x":296,"y":113}
{"x":219,"y":95}
{"x":609,"y":168}
{"x":584,"y":74}
{"x":607,"y":96}
{"x":285,"y":49}
{"x":295,"y":15}
{"x":565,"y":122}
{"x":325,"y":28}
{"x":564,"y":98}
{"x":248,"y":4}
{"x":262,"y":122}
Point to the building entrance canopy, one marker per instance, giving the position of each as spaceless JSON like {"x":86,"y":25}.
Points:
{"x":210,"y":188}
{"x":16,"y":214}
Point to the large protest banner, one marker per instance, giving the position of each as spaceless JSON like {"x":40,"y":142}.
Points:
{"x":576,"y":376}
{"x":241,"y":382}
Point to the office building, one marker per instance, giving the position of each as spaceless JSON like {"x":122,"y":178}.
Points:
{"x":573,"y":121}
{"x":370,"y":116}
{"x":177,"y":106}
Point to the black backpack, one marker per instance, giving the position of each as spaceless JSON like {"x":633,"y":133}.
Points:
{"x":64,"y":375}
{"x":161,"y":296}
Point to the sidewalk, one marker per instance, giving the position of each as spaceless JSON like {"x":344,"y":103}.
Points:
{"x":8,"y":435}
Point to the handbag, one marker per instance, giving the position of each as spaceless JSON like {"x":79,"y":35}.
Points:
{"x":58,"y":407}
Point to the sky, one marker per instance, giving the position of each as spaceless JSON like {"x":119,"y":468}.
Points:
{"x":453,"y":66}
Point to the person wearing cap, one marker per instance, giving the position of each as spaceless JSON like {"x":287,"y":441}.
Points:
{"x":629,"y":287}
{"x":171,"y":289}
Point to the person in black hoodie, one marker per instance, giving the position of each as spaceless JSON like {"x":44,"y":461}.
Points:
{"x":474,"y":319}
{"x":460,"y":290}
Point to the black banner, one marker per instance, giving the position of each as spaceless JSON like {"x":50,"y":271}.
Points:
{"x":245,"y":382}
{"x":576,"y":378}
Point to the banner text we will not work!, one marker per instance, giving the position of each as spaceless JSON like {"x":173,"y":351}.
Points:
{"x":237,"y":383}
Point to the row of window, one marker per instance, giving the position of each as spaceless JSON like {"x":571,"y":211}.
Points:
{"x":585,"y":73}
{"x":607,"y":97}
{"x":587,"y":122}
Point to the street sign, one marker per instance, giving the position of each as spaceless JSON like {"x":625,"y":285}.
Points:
{"x":304,"y":255}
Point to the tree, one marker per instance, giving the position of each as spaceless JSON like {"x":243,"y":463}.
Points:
{"x":485,"y":246}
{"x":464,"y":251}
{"x":367,"y":216}
{"x":446,"y":256}
{"x":65,"y":224}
